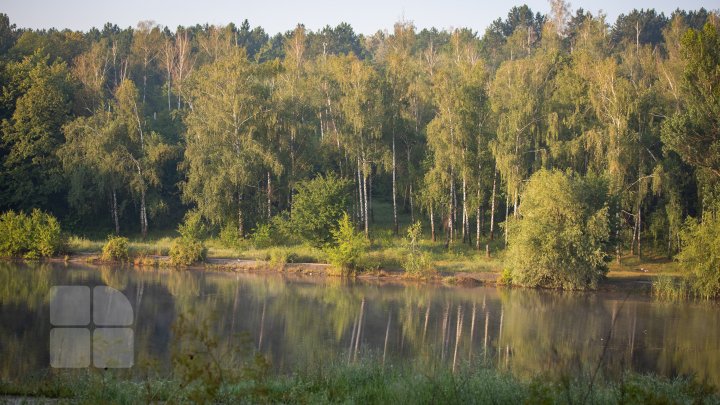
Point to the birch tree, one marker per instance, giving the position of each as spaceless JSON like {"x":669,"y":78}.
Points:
{"x":225,"y":151}
{"x":360,"y":105}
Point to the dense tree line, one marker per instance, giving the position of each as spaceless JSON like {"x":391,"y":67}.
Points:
{"x":127,"y":129}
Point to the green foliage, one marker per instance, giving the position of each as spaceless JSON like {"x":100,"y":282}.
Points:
{"x":561,"y":239}
{"x":197,"y":378}
{"x":417,"y":262}
{"x":230,"y":236}
{"x":317,"y":207}
{"x":263,"y":236}
{"x":187,"y":251}
{"x":16,"y":235}
{"x":505,"y":277}
{"x":669,"y":288}
{"x":278,"y":257}
{"x":225,"y":152}
{"x":349,"y":247}
{"x":204,"y":370}
{"x":34,"y":236}
{"x":116,"y":248}
{"x":694,"y":132}
{"x":47,"y":237}
{"x":193,"y":227}
{"x":700,"y":254}
{"x":31,"y":136}
{"x":281,"y":230}
{"x":442,"y":118}
{"x":195,"y":360}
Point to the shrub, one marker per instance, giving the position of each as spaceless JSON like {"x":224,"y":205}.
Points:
{"x":262,"y":237}
{"x":279,"y":257}
{"x":193,"y":226}
{"x":16,"y":234}
{"x":186,"y":251}
{"x":116,"y":248}
{"x":47,"y":238}
{"x":562,"y":237}
{"x":349,"y":248}
{"x":230,"y":236}
{"x":282,"y":232}
{"x":505,"y":277}
{"x":417,"y":262}
{"x":317,"y":207}
{"x":33,"y":236}
{"x":700,"y":254}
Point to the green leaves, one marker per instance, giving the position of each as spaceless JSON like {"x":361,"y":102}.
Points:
{"x":700,"y":254}
{"x":695,"y":132}
{"x":317,"y":207}
{"x":30,"y":236}
{"x":116,"y":249}
{"x":31,"y":171}
{"x":186,"y":251}
{"x":225,"y":151}
{"x":348,"y":248}
{"x":561,"y":239}
{"x":417,"y":262}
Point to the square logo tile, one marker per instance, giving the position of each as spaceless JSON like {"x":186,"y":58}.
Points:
{"x":69,"y":347}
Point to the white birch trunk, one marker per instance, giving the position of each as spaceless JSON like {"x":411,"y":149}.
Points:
{"x":394,"y":187}
{"x":492,"y":207}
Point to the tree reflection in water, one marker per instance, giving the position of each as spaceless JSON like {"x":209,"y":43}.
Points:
{"x":298,"y":323}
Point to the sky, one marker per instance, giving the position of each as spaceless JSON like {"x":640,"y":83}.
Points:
{"x":366,"y":16}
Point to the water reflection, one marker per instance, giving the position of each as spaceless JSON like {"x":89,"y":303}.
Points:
{"x":300,"y":322}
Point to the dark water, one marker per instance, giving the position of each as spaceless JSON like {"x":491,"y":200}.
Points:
{"x":300,"y":322}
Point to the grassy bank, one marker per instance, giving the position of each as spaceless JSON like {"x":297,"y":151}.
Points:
{"x":363,"y":383}
{"x":386,"y":252}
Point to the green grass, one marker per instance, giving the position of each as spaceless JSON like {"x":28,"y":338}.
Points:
{"x":387,"y":251}
{"x":671,"y":288}
{"x":137,"y":247}
{"x":79,"y":244}
{"x":365,"y":383}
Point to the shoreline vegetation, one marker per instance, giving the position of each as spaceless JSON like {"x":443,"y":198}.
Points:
{"x":631,"y":274}
{"x":559,"y":151}
{"x":381,"y":256}
{"x":556,"y":144}
{"x":363,"y":382}
{"x":563,"y":241}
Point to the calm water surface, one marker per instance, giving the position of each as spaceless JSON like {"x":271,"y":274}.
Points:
{"x":300,"y":322}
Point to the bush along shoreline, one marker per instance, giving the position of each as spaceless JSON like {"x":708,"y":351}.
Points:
{"x":562,"y":239}
{"x":348,"y":253}
{"x":33,"y":236}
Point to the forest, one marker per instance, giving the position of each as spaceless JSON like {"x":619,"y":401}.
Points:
{"x":605,"y":134}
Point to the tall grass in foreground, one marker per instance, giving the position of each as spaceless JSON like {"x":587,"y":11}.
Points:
{"x":366,"y":383}
{"x":204,"y":372}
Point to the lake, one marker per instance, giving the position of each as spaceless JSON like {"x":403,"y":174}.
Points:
{"x":298,"y":322}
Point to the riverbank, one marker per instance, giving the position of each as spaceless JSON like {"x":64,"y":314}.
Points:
{"x":355,"y":383}
{"x":459,"y":265}
{"x":630,"y":276}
